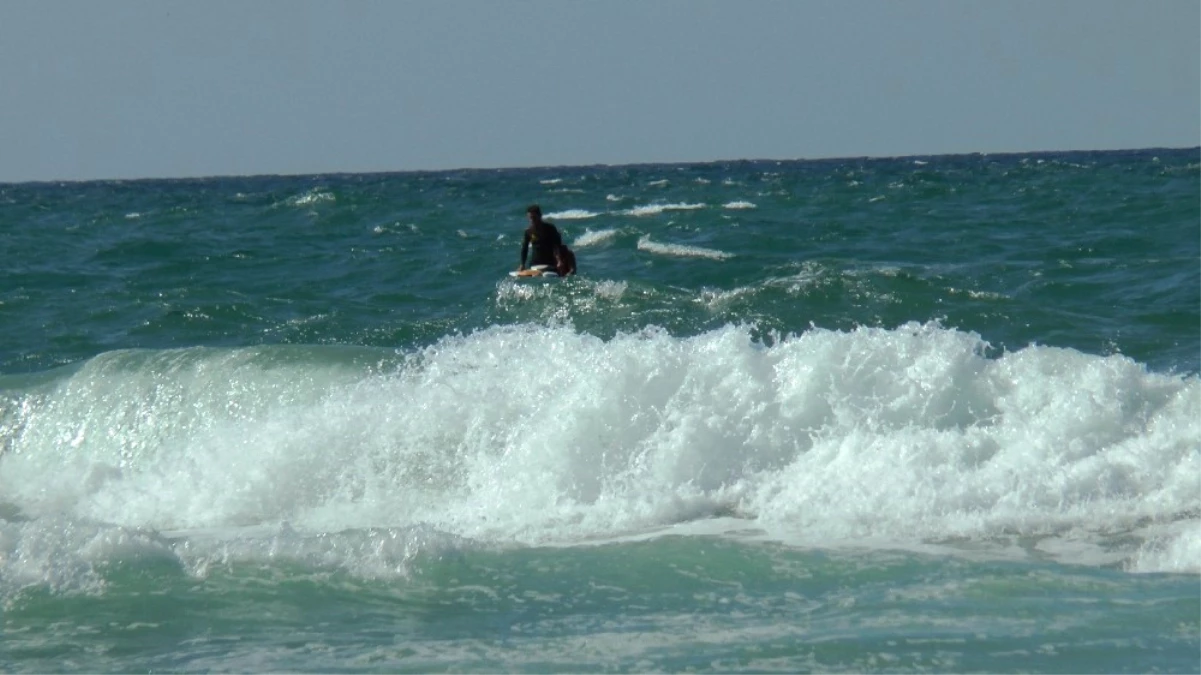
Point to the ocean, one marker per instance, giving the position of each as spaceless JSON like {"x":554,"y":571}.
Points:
{"x":916,"y":414}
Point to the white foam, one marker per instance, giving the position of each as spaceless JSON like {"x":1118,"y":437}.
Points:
{"x":739,"y":205}
{"x":572,"y":214}
{"x":313,"y":196}
{"x":591,"y":238}
{"x":907,"y":436}
{"x":656,"y":209}
{"x":1176,"y":550}
{"x":680,"y":250}
{"x":609,"y":290}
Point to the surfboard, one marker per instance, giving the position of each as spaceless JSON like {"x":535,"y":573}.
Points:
{"x":535,"y":272}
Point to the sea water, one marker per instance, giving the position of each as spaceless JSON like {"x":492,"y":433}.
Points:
{"x":935,"y":414}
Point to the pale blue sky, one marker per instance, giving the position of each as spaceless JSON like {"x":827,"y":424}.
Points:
{"x":165,"y":88}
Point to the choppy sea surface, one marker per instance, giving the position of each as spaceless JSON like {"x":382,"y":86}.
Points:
{"x":921,"y":414}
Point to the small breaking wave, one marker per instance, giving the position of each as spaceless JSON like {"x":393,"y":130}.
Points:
{"x":656,"y":209}
{"x":681,"y":250}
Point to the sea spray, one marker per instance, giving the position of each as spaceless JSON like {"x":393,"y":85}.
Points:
{"x":911,"y":434}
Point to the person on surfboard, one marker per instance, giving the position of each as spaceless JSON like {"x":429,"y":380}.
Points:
{"x":543,"y":237}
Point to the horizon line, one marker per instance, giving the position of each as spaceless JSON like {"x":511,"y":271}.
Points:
{"x":531,"y":167}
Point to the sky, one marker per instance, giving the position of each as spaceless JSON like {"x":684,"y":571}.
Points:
{"x":180,"y":88}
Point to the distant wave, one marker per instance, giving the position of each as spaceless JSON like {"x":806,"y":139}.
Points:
{"x":739,"y":205}
{"x":655,"y":209}
{"x":572,"y":214}
{"x":311,"y":197}
{"x":681,"y":250}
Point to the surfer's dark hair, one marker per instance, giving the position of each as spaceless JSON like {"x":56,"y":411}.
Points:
{"x":534,"y":208}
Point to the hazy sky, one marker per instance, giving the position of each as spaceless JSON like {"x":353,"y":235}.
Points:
{"x":163,"y":88}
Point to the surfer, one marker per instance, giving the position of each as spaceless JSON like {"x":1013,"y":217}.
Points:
{"x":545,"y":239}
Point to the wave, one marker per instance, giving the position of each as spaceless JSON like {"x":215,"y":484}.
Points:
{"x":871,"y":437}
{"x":656,"y":209}
{"x":591,"y":237}
{"x":681,"y":250}
{"x":311,"y":197}
{"x":572,"y":214}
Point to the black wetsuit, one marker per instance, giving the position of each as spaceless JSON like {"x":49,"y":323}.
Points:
{"x":545,"y":240}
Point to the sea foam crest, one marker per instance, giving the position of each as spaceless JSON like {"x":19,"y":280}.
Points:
{"x":874,"y":435}
{"x":680,"y":250}
{"x":656,"y":209}
{"x":593,"y":237}
{"x":572,"y":214}
{"x":314,"y":196}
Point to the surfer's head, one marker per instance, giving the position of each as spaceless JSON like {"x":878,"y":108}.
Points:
{"x":535,"y":213}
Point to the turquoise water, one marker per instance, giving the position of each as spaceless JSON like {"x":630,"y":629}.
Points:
{"x":931,"y":414}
